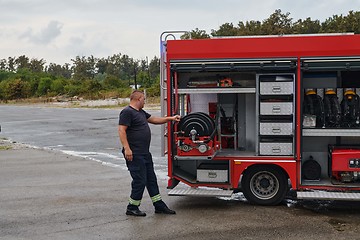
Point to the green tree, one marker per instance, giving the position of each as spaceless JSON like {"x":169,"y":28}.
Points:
{"x":101,"y":65}
{"x":352,"y":23}
{"x":250,"y":28}
{"x":333,"y":24}
{"x":84,"y":68}
{"x":11,"y":64}
{"x":3,"y":64}
{"x":126,"y":66}
{"x":54,"y":69}
{"x":195,"y":34}
{"x":113,"y":66}
{"x":306,"y":26}
{"x":277,"y":24}
{"x":44,"y":86}
{"x":154,"y":67}
{"x":22,"y":62}
{"x":341,"y":24}
{"x":227,"y":29}
{"x":36,"y":65}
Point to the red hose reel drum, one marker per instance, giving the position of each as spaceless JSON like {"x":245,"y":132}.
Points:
{"x":196,"y":135}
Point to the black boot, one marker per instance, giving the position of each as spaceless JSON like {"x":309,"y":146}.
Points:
{"x":160,"y":207}
{"x":134,"y":211}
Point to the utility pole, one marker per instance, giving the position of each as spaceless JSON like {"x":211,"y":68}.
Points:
{"x":135,"y":75}
{"x":148,"y":68}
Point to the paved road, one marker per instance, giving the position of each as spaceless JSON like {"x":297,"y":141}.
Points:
{"x":45,"y":194}
{"x":85,"y":132}
{"x":48,"y":195}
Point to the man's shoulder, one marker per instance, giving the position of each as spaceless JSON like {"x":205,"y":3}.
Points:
{"x":127,"y":108}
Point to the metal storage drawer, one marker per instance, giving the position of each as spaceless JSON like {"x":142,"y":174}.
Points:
{"x":274,"y":128}
{"x":276,"y":88}
{"x":275,"y":148}
{"x":212,"y":175}
{"x":276,"y":108}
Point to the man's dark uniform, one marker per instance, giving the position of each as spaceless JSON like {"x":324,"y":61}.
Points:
{"x":141,"y":167}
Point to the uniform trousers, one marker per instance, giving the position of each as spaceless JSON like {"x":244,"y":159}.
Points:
{"x":141,"y":169}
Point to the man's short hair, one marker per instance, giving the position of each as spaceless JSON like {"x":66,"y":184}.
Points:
{"x":136,"y":94}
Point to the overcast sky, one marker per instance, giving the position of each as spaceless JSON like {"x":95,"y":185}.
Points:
{"x":60,"y":30}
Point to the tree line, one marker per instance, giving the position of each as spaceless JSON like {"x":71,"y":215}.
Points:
{"x":280,"y":23}
{"x":91,"y":77}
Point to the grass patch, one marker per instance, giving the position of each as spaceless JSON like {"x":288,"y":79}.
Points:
{"x":2,"y":148}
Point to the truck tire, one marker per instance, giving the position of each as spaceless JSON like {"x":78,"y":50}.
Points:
{"x":264,"y":185}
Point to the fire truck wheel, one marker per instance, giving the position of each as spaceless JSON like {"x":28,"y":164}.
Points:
{"x":264,"y":185}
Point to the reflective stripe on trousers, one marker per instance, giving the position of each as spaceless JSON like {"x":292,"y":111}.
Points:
{"x":143,"y":175}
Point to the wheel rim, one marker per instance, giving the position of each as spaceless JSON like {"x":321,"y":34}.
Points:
{"x":264,"y":185}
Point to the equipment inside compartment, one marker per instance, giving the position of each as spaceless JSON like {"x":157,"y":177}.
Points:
{"x":344,"y":162}
{"x":329,"y":111}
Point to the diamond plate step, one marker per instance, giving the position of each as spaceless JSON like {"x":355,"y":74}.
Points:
{"x":320,"y":195}
{"x":203,"y":192}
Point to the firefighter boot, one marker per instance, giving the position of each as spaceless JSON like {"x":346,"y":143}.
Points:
{"x":160,"y":207}
{"x":134,"y":211}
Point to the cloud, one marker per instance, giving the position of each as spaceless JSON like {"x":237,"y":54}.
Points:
{"x":105,"y":27}
{"x":46,"y":35}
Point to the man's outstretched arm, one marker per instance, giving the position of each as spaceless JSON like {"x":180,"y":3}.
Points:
{"x":161,"y":120}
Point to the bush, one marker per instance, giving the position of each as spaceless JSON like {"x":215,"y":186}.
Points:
{"x":58,"y":86}
{"x":125,"y":92}
{"x":44,"y":86}
{"x":91,"y":88}
{"x":5,"y":75}
{"x":15,"y":89}
{"x":153,"y":91}
{"x":2,"y":88}
{"x":72,"y":89}
{"x":112,"y":82}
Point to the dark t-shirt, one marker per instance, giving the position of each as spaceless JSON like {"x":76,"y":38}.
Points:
{"x":138,"y":131}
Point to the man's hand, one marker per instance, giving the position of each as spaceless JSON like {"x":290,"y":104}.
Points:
{"x":128,"y":154}
{"x":176,"y":118}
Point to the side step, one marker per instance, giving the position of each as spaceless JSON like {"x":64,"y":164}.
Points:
{"x":203,"y":192}
{"x":321,"y":195}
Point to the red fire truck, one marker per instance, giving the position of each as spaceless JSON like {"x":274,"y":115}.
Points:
{"x":263,"y":114}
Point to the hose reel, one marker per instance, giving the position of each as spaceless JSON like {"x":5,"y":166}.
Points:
{"x":197,"y":123}
{"x":195,"y":135}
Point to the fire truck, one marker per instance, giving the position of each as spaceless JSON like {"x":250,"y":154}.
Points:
{"x":265,"y":115}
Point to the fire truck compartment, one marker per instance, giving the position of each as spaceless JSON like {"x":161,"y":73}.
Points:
{"x":280,"y":105}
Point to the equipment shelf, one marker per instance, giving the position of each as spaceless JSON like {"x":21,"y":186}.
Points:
{"x":319,"y":132}
{"x":214,"y":90}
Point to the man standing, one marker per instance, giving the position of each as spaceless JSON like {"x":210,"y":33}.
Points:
{"x":135,"y":136}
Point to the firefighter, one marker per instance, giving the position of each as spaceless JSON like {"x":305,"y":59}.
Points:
{"x":135,"y":136}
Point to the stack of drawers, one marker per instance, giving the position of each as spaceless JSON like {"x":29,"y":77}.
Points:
{"x":276,"y":111}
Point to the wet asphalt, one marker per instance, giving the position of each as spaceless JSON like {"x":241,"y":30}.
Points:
{"x":48,"y":192}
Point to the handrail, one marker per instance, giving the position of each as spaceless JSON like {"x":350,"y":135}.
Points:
{"x":163,"y":38}
{"x":163,"y":75}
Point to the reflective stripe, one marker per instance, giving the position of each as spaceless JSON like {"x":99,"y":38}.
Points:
{"x":156,"y":198}
{"x":134,"y":202}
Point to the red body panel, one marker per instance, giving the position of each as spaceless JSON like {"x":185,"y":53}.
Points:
{"x":265,"y":47}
